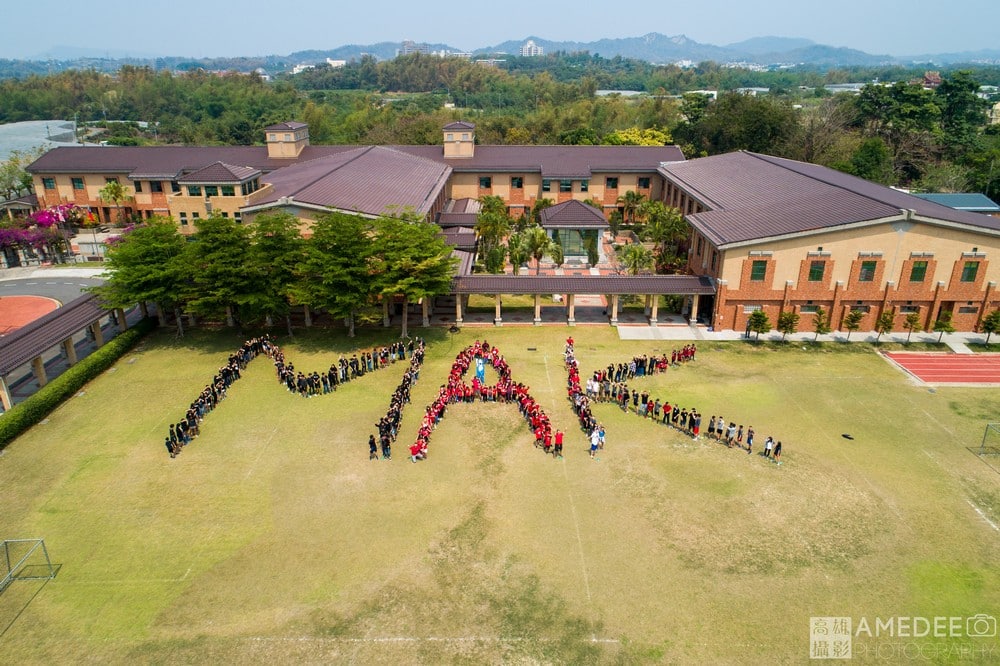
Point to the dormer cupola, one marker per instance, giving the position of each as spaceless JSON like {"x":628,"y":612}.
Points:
{"x":459,"y":140}
{"x":286,"y":140}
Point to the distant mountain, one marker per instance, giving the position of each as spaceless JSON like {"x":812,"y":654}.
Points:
{"x":78,"y":52}
{"x":818,"y":55}
{"x":652,"y":47}
{"x":986,"y":55}
{"x":767,"y":45}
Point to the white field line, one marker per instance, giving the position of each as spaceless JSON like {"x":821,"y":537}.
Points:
{"x":127,"y":581}
{"x":263,"y":450}
{"x":416,"y":639}
{"x":983,"y":515}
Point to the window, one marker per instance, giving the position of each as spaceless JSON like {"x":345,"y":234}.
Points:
{"x":272,"y":137}
{"x":195,"y":216}
{"x":584,"y":185}
{"x":175,"y":187}
{"x":211,"y":190}
{"x":816,"y":269}
{"x":809,"y":309}
{"x":184,"y":219}
{"x":516,"y":183}
{"x":700,"y":245}
{"x":288,"y":137}
{"x":715,"y":257}
{"x":968,"y":309}
{"x":194,"y":190}
{"x":750,"y":309}
{"x":155,"y":186}
{"x":860,"y":308}
{"x":228,"y":191}
{"x":969,"y":271}
{"x":611,"y":183}
{"x":909,"y":309}
{"x":918,"y":271}
{"x":451,"y":137}
{"x":110,"y":180}
{"x":225,"y":214}
{"x":77,"y":183}
{"x":546,"y":185}
{"x":758,"y":270}
{"x":867,"y":273}
{"x":465,"y":136}
{"x":565,"y":185}
{"x":238,"y":217}
{"x":138,"y":186}
{"x":485,"y":182}
{"x":644,"y":183}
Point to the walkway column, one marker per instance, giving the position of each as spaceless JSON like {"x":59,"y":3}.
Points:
{"x":538,"y":309}
{"x":571,"y":304}
{"x":70,"y":351}
{"x":122,"y":321}
{"x":385,"y":312}
{"x":647,"y":306}
{"x":308,"y":316}
{"x":425,"y":302}
{"x":655,"y":309}
{"x":458,"y":309}
{"x":98,"y":333}
{"x":614,"y":309}
{"x":5,"y":398}
{"x":694,"y":310}
{"x":38,"y":368}
{"x":497,"y":320}
{"x":144,"y":309}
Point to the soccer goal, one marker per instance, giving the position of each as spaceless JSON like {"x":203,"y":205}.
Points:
{"x":24,"y":559}
{"x":991,"y":440}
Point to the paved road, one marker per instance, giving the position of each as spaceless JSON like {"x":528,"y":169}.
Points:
{"x":62,"y":284}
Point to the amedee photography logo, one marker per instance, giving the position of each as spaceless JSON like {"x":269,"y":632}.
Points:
{"x":981,"y":626}
{"x":899,"y":637}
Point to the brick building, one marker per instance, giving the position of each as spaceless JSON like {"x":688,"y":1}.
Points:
{"x":779,"y":235}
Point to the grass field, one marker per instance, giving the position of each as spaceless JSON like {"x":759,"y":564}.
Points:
{"x":273,"y":538}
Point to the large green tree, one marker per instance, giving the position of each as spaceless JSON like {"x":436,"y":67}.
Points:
{"x":337,"y":273}
{"x":216,"y":281}
{"x":276,"y":250}
{"x":412,"y":261}
{"x":144,"y":265}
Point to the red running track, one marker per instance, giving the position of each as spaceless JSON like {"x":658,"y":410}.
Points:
{"x":936,"y":368}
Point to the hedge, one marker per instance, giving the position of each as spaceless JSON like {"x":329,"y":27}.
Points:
{"x":30,"y":412}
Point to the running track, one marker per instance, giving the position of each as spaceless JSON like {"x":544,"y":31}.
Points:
{"x":938,"y":368}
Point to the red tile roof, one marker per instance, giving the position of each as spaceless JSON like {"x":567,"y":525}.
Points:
{"x":220,"y":173}
{"x":574,"y":215}
{"x":368,"y":180}
{"x":753,"y":197}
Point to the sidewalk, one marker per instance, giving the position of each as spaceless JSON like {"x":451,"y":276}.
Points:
{"x":957,"y":341}
{"x":60,"y":270}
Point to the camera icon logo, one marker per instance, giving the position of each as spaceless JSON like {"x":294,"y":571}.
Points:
{"x":980,"y":626}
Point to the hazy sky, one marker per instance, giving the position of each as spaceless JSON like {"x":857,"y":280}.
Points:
{"x":200,"y":28}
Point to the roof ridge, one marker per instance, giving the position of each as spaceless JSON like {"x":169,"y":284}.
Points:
{"x":771,"y":159}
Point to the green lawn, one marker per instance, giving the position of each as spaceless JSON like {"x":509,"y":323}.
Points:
{"x":273,"y":538}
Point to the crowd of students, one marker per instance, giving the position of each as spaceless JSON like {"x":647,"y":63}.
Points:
{"x":181,"y":434}
{"x":610,"y":386}
{"x":388,"y":425}
{"x":456,"y":389}
{"x":187,"y":428}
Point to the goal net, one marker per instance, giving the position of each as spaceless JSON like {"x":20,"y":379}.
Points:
{"x":991,"y":440}
{"x":24,"y":559}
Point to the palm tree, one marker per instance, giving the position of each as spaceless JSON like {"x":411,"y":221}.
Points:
{"x":114,"y":192}
{"x":630,"y":203}
{"x":536,"y":242}
{"x":636,"y":258}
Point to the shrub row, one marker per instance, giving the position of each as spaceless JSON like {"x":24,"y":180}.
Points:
{"x":30,"y":412}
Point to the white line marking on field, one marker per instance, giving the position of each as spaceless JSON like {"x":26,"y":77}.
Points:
{"x":983,"y":515}
{"x":579,"y":539}
{"x":416,"y":639}
{"x":263,"y":450}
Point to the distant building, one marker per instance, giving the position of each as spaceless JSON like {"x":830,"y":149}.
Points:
{"x":298,"y":69}
{"x":335,"y":63}
{"x":531,"y":49}
{"x":409,"y":46}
